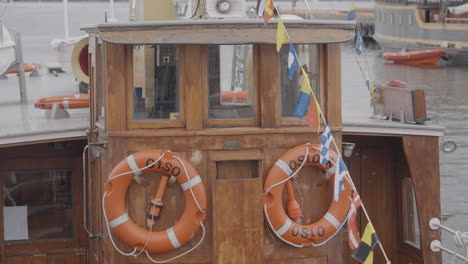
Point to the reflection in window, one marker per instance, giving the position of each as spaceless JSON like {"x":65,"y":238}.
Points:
{"x":411,"y":232}
{"x":37,"y":204}
{"x":230,"y":82}
{"x":156,"y":82}
{"x":309,"y":57}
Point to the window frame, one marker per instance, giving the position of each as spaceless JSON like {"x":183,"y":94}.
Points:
{"x":244,"y":122}
{"x":78,"y":239}
{"x":155,"y":123}
{"x":322,"y":62}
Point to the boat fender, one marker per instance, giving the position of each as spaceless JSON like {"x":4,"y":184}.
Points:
{"x":298,"y":235}
{"x":170,"y":165}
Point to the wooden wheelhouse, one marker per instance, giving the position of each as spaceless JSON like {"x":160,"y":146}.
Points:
{"x":217,"y":93}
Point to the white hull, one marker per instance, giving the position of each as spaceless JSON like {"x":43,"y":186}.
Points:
{"x":63,"y":49}
{"x":7,"y":50}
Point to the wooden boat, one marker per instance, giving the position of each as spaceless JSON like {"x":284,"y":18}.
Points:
{"x":7,"y":50}
{"x":156,"y":87}
{"x":430,"y":56}
{"x":64,"y":101}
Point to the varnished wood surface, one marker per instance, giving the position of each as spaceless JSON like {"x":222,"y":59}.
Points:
{"x":423,"y":159}
{"x":194,"y":75}
{"x":63,"y":155}
{"x":223,"y":32}
{"x":269,"y":86}
{"x":238,"y":232}
{"x":333,"y":84}
{"x":116,"y":80}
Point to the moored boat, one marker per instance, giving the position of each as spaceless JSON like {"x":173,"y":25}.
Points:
{"x":431,"y":56}
{"x":7,"y":50}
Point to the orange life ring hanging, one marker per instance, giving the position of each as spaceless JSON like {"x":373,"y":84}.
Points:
{"x":64,"y":101}
{"x":295,"y":234}
{"x":170,"y":165}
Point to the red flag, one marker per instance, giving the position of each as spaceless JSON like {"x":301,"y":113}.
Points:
{"x":269,"y":11}
{"x":353,"y":233}
{"x":312,"y":118}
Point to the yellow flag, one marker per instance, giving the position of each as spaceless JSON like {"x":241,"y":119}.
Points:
{"x":305,"y":86}
{"x":281,"y":37}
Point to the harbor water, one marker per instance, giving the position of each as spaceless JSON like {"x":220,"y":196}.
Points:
{"x":445,"y":87}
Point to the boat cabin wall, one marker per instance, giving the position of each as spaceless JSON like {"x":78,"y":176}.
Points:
{"x":232,"y":155}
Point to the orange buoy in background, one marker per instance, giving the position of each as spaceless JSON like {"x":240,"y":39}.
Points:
{"x":431,"y":56}
{"x":64,"y":101}
{"x":234,"y":97}
{"x":28,"y":67}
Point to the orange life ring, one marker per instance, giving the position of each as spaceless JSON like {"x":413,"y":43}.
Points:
{"x":170,"y":165}
{"x":64,"y":101}
{"x":295,"y":234}
{"x":28,"y":67}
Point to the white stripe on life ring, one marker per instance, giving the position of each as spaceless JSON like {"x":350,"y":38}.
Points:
{"x":172,"y":237}
{"x":77,"y":96}
{"x":282,"y":165}
{"x":66,"y":103}
{"x":330,"y":218}
{"x":119,"y":220}
{"x":284,"y":228}
{"x":133,"y":165}
{"x":192,"y":182}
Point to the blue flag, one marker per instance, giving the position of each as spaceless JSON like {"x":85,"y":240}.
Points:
{"x":340,"y":175}
{"x":292,"y":61}
{"x":304,"y":97}
{"x":325,"y":145}
{"x":352,"y":13}
{"x":358,"y":43}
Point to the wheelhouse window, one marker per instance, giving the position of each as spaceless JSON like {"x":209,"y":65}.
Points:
{"x":231,"y":82}
{"x":37,"y":205}
{"x":411,"y":231}
{"x":156,"y":91}
{"x":308,"y":55}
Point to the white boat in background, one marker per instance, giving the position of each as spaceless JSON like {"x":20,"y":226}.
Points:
{"x":63,"y":49}
{"x":7,"y":50}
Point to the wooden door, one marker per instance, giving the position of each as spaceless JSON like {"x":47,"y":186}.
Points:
{"x":373,"y":167}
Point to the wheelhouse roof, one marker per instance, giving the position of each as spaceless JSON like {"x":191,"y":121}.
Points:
{"x":222,"y":31}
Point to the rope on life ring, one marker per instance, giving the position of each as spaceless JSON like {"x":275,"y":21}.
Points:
{"x":116,"y":215}
{"x":287,"y":167}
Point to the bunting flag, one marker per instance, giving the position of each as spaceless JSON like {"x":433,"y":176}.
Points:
{"x":312,"y":117}
{"x":368,"y":85}
{"x":340,"y":175}
{"x":358,"y":46}
{"x":353,"y":233}
{"x":325,"y":145}
{"x":281,"y":37}
{"x":352,"y":12}
{"x":304,"y":97}
{"x":292,"y":61}
{"x":363,"y":253}
{"x":268,"y":12}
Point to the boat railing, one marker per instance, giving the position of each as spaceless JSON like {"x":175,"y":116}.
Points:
{"x":456,"y":20}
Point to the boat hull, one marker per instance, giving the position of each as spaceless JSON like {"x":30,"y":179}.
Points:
{"x":7,"y":50}
{"x":399,"y":26}
{"x":415,"y":57}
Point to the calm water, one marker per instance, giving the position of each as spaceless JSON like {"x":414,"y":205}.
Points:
{"x":446,"y":86}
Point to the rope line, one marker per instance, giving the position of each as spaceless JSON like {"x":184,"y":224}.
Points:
{"x":152,"y":212}
{"x":333,"y":139}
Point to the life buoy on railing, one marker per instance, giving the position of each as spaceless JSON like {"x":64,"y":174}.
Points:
{"x":170,"y":165}
{"x":286,"y":229}
{"x":64,"y":101}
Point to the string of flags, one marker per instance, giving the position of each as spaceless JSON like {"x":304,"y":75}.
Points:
{"x":308,"y":109}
